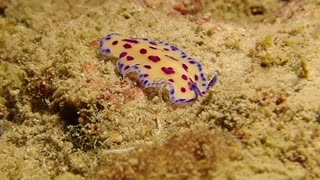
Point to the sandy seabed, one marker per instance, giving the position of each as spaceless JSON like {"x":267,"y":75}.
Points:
{"x":66,"y":113}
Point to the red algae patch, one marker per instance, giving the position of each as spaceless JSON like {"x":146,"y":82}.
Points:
{"x":127,"y":92}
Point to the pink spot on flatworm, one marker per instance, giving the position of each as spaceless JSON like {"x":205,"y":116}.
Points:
{"x":147,"y":66}
{"x":185,"y":67}
{"x":184,"y":77}
{"x":183,"y":89}
{"x":143,"y":51}
{"x":168,"y":70}
{"x":196,"y":77}
{"x":130,"y":58}
{"x":123,"y":54}
{"x":131,"y":41}
{"x":171,"y":80}
{"x":127,"y":46}
{"x":114,"y":42}
{"x":154,"y":58}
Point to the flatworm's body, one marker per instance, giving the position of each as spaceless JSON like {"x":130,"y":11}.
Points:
{"x":158,"y":64}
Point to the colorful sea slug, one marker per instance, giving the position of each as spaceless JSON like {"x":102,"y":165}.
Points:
{"x":158,"y":64}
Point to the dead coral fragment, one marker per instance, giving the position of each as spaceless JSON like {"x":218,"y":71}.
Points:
{"x":195,"y":153}
{"x":192,"y":7}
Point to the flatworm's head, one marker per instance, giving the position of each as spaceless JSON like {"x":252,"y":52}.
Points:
{"x":158,"y":64}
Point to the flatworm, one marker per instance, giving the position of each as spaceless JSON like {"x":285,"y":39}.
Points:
{"x":158,"y":64}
